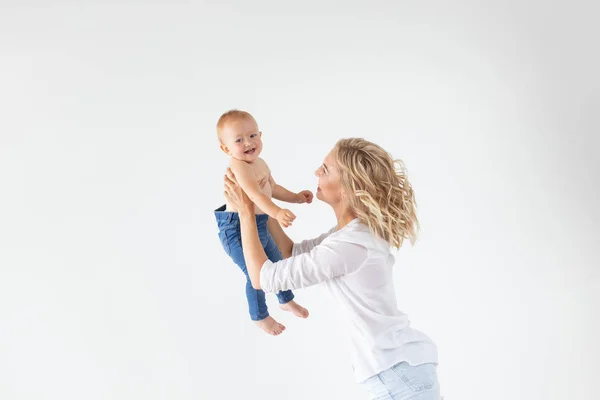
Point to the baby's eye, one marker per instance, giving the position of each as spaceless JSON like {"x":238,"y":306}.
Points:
{"x":238,"y":141}
{"x":254,"y":134}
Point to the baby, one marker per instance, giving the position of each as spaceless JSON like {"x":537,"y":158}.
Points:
{"x":241,"y":140}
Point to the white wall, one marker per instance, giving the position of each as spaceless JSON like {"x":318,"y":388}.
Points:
{"x":113,"y":284}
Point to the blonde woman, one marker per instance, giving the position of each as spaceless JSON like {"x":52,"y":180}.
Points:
{"x":375,"y":209}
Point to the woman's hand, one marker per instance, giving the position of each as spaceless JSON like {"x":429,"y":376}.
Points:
{"x":235,"y":195}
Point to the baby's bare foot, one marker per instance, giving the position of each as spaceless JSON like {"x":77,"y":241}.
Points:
{"x":295,"y":309}
{"x":270,"y":326}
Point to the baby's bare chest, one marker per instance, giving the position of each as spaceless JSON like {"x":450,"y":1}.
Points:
{"x":262,"y":174}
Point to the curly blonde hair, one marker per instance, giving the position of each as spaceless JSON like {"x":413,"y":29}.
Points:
{"x":380,"y":194}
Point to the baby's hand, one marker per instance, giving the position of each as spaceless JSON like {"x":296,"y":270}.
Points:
{"x":285,"y":217}
{"x":304,"y":196}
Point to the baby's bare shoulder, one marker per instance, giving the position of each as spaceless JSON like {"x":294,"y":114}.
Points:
{"x":262,"y":164}
{"x":236,"y":164}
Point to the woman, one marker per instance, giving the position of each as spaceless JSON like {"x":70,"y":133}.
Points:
{"x":375,"y":210}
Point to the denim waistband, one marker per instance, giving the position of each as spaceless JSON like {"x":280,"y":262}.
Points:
{"x":227,"y":218}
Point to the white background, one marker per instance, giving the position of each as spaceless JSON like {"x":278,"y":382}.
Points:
{"x":113,"y":284}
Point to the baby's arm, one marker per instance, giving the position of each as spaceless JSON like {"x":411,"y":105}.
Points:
{"x":246,"y":177}
{"x":281,"y":193}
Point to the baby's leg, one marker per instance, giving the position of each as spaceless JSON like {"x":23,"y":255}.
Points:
{"x":286,"y":297}
{"x":257,"y":306}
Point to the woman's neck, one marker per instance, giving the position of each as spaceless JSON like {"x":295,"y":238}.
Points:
{"x":344,"y":217}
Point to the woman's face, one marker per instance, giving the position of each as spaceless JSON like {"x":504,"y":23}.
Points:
{"x":329,"y":189}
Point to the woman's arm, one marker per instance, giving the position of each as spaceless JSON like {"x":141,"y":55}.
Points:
{"x":283,"y":242}
{"x":321,"y":263}
{"x":328,"y":260}
{"x":254,"y":254}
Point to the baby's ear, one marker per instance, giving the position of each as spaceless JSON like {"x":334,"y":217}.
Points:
{"x":224,"y":148}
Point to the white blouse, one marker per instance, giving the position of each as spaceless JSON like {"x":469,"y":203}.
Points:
{"x":356,"y":266}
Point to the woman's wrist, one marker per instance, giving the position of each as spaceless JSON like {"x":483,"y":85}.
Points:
{"x":246,"y":210}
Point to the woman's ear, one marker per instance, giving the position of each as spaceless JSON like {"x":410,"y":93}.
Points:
{"x":344,"y":196}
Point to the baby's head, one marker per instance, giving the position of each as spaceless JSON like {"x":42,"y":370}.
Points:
{"x":239,"y":135}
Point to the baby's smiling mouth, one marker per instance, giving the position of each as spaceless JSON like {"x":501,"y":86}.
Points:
{"x":251,"y":151}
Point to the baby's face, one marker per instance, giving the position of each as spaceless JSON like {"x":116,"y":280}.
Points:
{"x":241,"y":139}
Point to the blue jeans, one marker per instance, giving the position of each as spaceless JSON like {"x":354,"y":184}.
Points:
{"x":231,"y":240}
{"x":405,"y":382}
